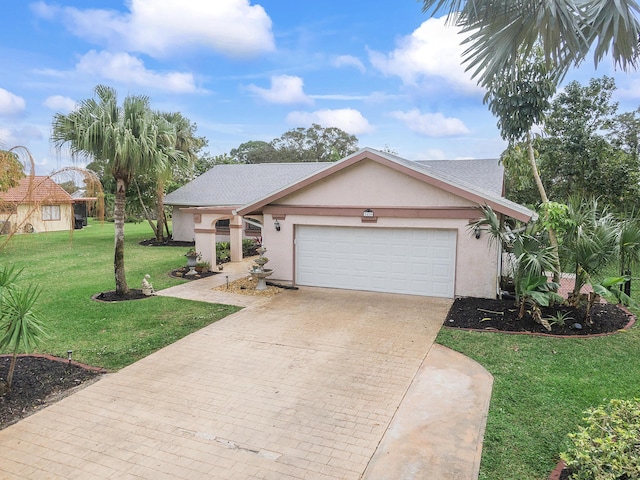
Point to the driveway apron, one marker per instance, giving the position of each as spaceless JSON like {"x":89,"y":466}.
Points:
{"x":302,"y":386}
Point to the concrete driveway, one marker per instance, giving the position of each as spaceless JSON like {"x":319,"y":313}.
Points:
{"x":307,"y":385}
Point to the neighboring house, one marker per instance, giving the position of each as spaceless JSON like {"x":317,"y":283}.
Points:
{"x":372,"y":221}
{"x":36,"y":204}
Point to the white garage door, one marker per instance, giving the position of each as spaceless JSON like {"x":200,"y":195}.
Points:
{"x":409,"y":261}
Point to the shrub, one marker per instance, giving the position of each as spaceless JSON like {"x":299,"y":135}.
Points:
{"x":249,"y":246}
{"x":608,"y":447}
{"x":223,"y":252}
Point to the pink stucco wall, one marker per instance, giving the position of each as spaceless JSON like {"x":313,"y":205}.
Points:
{"x":371,"y":185}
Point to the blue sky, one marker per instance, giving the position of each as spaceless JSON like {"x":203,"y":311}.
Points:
{"x":242,"y":70}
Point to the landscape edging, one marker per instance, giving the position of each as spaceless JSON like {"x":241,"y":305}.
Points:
{"x":627,"y":327}
{"x":61,"y":360}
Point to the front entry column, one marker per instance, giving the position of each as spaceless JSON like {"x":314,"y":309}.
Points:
{"x":235,"y":238}
{"x":206,"y":244}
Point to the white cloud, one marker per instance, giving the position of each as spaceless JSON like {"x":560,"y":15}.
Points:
{"x":348,"y":61}
{"x":122,"y":67}
{"x":10,"y":103}
{"x":347,"y":119}
{"x":163,"y":27}
{"x":284,"y":89}
{"x":432,"y":54}
{"x":60,"y":103}
{"x":12,"y":137}
{"x":431,"y":124}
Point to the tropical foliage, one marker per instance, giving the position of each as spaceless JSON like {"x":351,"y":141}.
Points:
{"x":498,"y":33}
{"x":20,"y":325}
{"x":590,"y":238}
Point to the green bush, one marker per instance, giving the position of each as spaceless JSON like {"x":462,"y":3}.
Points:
{"x":608,"y":447}
{"x":223,"y":252}
{"x":249,"y":246}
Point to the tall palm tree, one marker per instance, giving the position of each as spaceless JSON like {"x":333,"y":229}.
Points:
{"x":125,"y":137}
{"x":179,"y":154}
{"x":498,"y":31}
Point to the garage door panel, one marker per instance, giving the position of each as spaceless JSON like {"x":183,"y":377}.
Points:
{"x":411,"y":261}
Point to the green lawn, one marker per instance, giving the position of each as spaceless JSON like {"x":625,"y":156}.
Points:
{"x":70,"y":269}
{"x":541,"y":386}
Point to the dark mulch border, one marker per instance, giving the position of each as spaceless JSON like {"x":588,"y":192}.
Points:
{"x":167,"y":243}
{"x":500,"y":316}
{"x":39,"y":381}
{"x":111,"y":296}
{"x":181,"y":273}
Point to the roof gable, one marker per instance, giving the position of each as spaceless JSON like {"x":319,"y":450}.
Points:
{"x":431,"y":175}
{"x":36,"y":189}
{"x":370,"y":184}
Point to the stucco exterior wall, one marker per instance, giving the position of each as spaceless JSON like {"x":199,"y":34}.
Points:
{"x":182,"y":226}
{"x":476,"y":271}
{"x":371,"y":184}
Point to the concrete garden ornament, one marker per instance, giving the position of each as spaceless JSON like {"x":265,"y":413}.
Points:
{"x":258,"y":271}
{"x":147,"y":288}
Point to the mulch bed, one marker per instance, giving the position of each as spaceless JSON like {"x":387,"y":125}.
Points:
{"x":502,"y":315}
{"x":112,"y":296}
{"x":167,"y":243}
{"x":182,"y":273}
{"x":37,"y":382}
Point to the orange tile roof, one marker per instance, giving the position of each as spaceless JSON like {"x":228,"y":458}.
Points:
{"x":36,"y":189}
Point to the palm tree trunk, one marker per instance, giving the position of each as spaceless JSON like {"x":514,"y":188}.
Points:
{"x":553,"y":239}
{"x":118,"y":217}
{"x":147,"y":215}
{"x":160,"y":218}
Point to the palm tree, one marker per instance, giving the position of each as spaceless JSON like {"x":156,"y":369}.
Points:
{"x":590,"y":243}
{"x":180,"y":154}
{"x":498,"y":31}
{"x":125,"y":137}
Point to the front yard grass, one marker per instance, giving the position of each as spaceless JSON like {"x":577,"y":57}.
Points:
{"x":541,"y":387}
{"x":110,"y":335}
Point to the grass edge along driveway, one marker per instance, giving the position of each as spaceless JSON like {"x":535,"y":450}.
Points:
{"x":541,"y":387}
{"x":72,"y":268}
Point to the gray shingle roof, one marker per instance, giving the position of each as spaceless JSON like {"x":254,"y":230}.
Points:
{"x":247,"y":185}
{"x":486,"y":174}
{"x":230,"y":185}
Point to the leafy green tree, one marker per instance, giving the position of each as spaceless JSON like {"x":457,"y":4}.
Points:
{"x":519,"y":98}
{"x":11,"y":169}
{"x":583,"y":152}
{"x":20,"y":325}
{"x":254,"y":151}
{"x":626,"y":128}
{"x":498,"y":32}
{"x":126,"y":138}
{"x":315,"y":144}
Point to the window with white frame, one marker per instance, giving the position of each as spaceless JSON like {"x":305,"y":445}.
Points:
{"x":50,"y":212}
